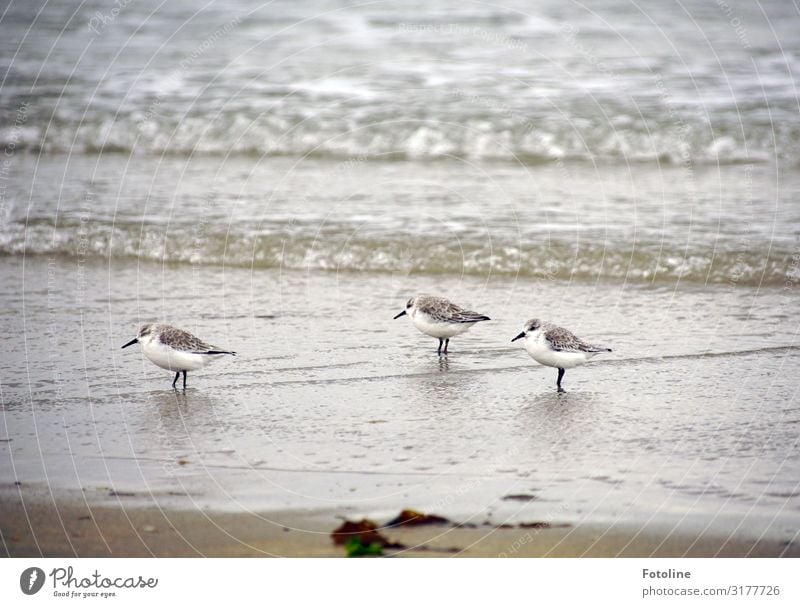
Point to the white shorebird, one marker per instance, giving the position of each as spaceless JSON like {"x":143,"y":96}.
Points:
{"x":440,"y":318}
{"x":175,"y":349}
{"x":557,"y":347}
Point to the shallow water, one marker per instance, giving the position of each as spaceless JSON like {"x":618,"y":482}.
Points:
{"x":579,"y":222}
{"x":333,"y":405}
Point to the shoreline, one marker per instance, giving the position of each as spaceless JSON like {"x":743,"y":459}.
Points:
{"x":659,"y":443}
{"x":88,"y":529}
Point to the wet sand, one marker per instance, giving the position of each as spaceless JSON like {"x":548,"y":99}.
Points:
{"x":332,"y":409}
{"x":74,"y":528}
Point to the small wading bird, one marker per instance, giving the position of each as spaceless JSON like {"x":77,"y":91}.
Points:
{"x":440,"y":318}
{"x":557,"y":347}
{"x":175,"y":350}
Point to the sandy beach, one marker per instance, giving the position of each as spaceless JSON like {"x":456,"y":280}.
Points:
{"x":70,"y":527}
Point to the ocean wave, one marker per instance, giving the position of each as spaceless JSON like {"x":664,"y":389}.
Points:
{"x":339,"y":250}
{"x":621,"y":139}
{"x":405,"y":81}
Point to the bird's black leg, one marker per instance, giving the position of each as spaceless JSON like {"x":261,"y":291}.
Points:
{"x":184,"y":380}
{"x":446,"y":343}
{"x":439,"y":351}
{"x":558,"y":383}
{"x":174,"y":381}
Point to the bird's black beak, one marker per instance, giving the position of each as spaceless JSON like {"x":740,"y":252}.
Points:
{"x":520,"y":336}
{"x":403,"y":313}
{"x":131,"y":342}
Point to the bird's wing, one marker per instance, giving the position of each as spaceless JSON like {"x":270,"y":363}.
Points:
{"x":184,"y":341}
{"x":442,"y":310}
{"x":562,"y":340}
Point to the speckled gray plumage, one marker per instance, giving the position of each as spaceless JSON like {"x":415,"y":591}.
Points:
{"x":443,"y":310}
{"x":563,"y":340}
{"x":181,"y":340}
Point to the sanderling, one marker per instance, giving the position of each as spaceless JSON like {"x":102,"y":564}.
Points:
{"x":175,"y":350}
{"x":440,"y":318}
{"x":556,"y":347}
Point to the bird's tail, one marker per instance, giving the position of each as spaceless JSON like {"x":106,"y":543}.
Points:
{"x":472,"y":317}
{"x":220,"y":352}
